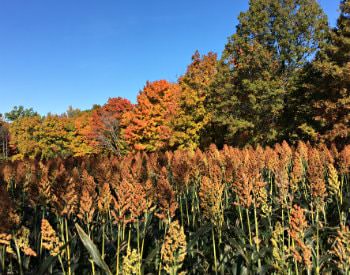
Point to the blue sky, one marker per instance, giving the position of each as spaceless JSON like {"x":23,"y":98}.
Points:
{"x":56,"y":53}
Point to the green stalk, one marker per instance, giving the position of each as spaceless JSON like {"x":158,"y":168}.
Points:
{"x":317,"y":244}
{"x":282,"y":217}
{"x":249,"y":230}
{"x":68,"y":248}
{"x":186,"y":206}
{"x":129,"y":236}
{"x":214,"y":251}
{"x":138,"y":235}
{"x":3,"y":251}
{"x":193,"y":208}
{"x":257,"y":237}
{"x":91,"y":261}
{"x":118,"y":248}
{"x":226,"y":197}
{"x":339,"y":212}
{"x":19,"y":258}
{"x":295,"y":262}
{"x":240,"y":217}
{"x":138,"y":244}
{"x":92,"y":267}
{"x":181,"y":212}
{"x":103,"y":238}
{"x":123,"y":234}
{"x":61,"y":263}
{"x":41,"y":240}
{"x":144,"y":235}
{"x":312,"y":214}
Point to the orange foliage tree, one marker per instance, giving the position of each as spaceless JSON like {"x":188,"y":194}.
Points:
{"x":82,"y":140}
{"x":147,"y":126}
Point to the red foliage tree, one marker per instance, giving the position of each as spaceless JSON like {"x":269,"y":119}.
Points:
{"x":105,"y":124}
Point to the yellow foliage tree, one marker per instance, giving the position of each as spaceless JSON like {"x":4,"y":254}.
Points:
{"x":192,"y":115}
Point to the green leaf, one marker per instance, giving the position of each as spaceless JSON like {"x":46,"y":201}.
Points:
{"x":91,"y":247}
{"x":46,"y":265}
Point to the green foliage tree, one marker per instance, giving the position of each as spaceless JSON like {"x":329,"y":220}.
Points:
{"x":53,"y":137}
{"x":18,"y":112}
{"x":323,"y":108}
{"x":72,"y":112}
{"x":260,"y":65}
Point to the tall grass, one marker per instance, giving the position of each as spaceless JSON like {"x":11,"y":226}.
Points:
{"x":277,"y":210}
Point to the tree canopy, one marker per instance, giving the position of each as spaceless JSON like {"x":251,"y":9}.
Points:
{"x":283,"y":75}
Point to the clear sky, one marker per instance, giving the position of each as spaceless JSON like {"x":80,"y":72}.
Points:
{"x":56,"y":53}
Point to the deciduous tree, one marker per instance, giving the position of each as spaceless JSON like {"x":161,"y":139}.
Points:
{"x":18,"y":112}
{"x":83,"y":141}
{"x":105,"y":124}
{"x":23,"y":136}
{"x":147,"y":126}
{"x":192,"y":115}
{"x":273,"y":40}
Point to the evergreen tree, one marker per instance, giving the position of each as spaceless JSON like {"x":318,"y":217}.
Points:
{"x":273,"y":41}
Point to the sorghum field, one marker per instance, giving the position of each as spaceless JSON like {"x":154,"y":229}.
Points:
{"x":277,"y":210}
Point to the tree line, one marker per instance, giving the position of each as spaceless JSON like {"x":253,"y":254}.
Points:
{"x":283,"y":75}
